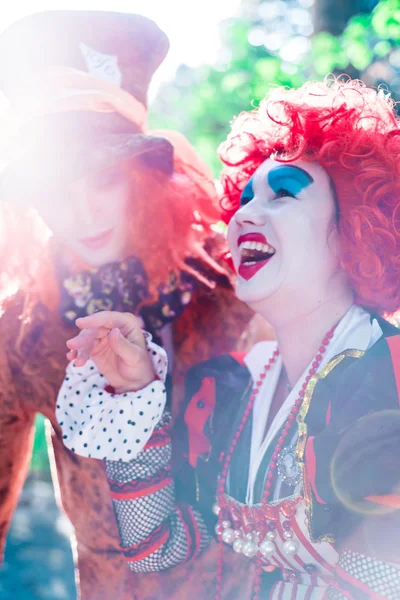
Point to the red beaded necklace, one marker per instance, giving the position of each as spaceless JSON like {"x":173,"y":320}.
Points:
{"x":278,"y":448}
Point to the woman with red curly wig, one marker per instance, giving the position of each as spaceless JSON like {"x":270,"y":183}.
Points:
{"x":289,"y":454}
{"x":98,"y":213}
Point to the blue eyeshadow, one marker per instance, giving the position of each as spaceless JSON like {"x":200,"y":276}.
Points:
{"x":290,"y":178}
{"x":247,"y":193}
{"x":285,"y":177}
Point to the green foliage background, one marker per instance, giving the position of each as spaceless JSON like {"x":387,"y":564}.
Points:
{"x":201,"y":102}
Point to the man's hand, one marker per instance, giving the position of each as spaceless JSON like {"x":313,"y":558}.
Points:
{"x":116,"y":344}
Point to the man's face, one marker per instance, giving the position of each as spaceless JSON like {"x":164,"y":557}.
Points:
{"x":90,"y":215}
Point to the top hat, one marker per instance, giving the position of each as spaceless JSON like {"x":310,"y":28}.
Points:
{"x":78,"y":83}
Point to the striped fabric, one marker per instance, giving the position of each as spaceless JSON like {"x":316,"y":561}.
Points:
{"x":155,"y":532}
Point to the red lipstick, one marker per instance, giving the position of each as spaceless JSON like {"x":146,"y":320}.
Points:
{"x":252,"y":237}
{"x":98,"y":241}
{"x":246,"y":270}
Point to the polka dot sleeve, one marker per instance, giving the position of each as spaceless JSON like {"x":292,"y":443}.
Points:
{"x":99,"y":424}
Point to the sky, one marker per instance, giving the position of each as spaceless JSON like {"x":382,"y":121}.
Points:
{"x":191,"y":25}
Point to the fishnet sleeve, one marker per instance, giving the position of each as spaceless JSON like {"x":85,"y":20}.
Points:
{"x":156,"y":532}
{"x":360,"y":576}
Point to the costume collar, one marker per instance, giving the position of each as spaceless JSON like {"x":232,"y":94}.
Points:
{"x":356,"y":330}
{"x":124,"y":286}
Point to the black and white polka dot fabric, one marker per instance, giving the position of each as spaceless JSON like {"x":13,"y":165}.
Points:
{"x":98,"y":424}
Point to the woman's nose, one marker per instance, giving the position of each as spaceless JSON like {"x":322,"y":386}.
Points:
{"x":251,"y":214}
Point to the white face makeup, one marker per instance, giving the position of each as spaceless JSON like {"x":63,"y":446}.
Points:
{"x":90,"y":215}
{"x":283,"y":239}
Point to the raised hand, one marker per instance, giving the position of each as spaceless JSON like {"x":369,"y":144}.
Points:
{"x":116,"y":344}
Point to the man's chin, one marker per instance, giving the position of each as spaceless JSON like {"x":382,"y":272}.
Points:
{"x":98,"y":258}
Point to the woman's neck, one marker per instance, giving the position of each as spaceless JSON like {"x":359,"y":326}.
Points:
{"x":300,"y":333}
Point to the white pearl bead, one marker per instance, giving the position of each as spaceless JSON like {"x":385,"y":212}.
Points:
{"x":216,"y":509}
{"x":238,"y":534}
{"x":249,"y":549}
{"x":226,"y":524}
{"x":271,"y":535}
{"x":267,"y":548}
{"x":249,"y":537}
{"x":228,"y":535}
{"x":288,"y":535}
{"x":238,"y":545}
{"x":290,"y":547}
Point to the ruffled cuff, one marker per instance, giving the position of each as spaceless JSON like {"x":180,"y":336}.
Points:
{"x":97,"y":423}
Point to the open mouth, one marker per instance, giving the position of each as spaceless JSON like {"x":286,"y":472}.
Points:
{"x":255,"y":252}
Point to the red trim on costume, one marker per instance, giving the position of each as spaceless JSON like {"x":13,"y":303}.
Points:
{"x":285,"y":563}
{"x":311,"y":467}
{"x":328,"y":414}
{"x":390,"y":500}
{"x":146,"y":547}
{"x":308,"y":593}
{"x":309,"y":547}
{"x":357,"y":584}
{"x":394,"y":347}
{"x":314,"y":579}
{"x":294,"y":592}
{"x":239,"y":357}
{"x":300,"y":561}
{"x":273,"y":589}
{"x":280,"y":531}
{"x":278,"y":565}
{"x":197,"y":414}
{"x":159,"y":438}
{"x":281,"y":590}
{"x":129,"y":490}
{"x":151,"y":489}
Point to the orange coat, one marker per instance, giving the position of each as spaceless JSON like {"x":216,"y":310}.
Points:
{"x":32,"y":367}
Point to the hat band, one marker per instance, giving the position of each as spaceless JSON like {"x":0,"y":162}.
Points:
{"x":62,"y":89}
{"x":66,"y":89}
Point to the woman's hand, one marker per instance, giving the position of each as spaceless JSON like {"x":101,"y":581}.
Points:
{"x":116,"y":344}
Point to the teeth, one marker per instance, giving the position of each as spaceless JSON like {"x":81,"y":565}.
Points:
{"x":247,"y":245}
{"x":259,"y":246}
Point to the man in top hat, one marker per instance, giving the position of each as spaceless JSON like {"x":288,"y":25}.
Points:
{"x":96,"y":213}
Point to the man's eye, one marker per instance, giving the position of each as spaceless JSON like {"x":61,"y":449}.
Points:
{"x":282,"y":193}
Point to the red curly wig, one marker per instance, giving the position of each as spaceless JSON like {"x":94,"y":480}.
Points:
{"x":353,"y":132}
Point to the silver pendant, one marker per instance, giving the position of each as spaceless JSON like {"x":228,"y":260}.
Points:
{"x":288,"y":467}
